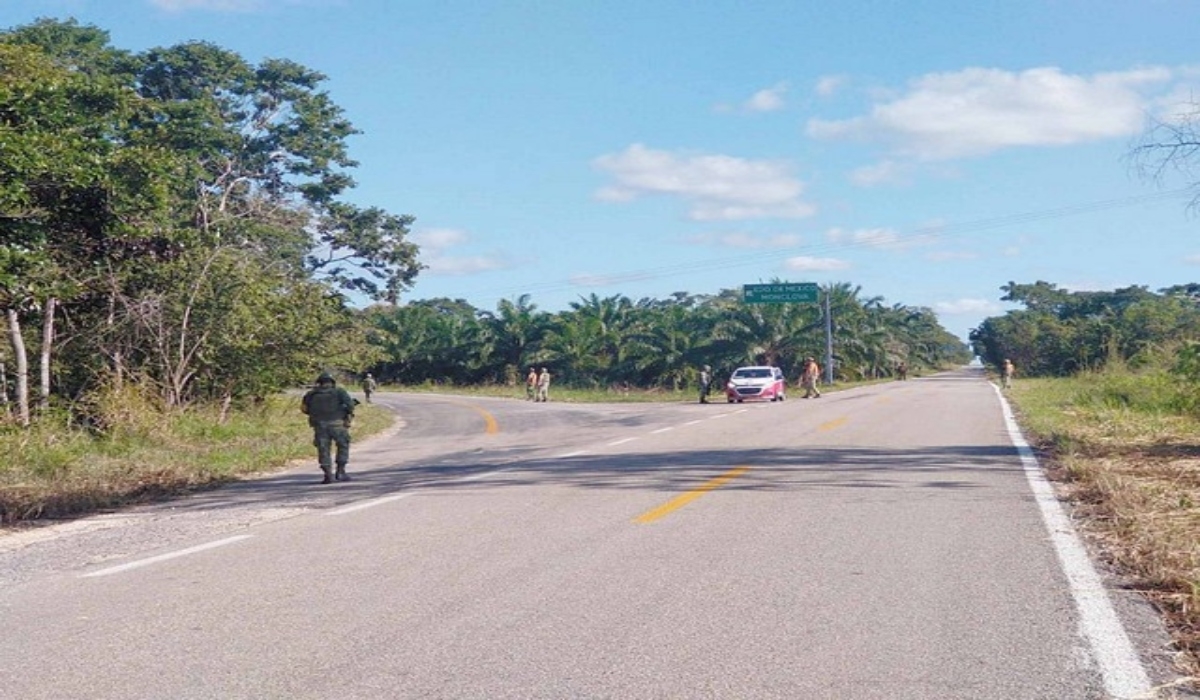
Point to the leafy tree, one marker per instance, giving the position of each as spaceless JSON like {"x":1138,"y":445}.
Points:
{"x":135,"y":187}
{"x":1065,"y":332}
{"x":72,"y":190}
{"x":515,"y":331}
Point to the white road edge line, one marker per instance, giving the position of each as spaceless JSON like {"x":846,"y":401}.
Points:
{"x":576,"y":453}
{"x":1121,"y":669}
{"x":662,"y":430}
{"x":622,"y":441}
{"x":164,"y":557}
{"x":363,"y":505}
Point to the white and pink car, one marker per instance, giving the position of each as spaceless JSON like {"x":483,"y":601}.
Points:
{"x":756,"y":383}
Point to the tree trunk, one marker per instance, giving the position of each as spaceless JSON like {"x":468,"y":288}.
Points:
{"x":18,"y":346}
{"x":4,"y":388}
{"x":47,"y":345}
{"x":226,"y":404}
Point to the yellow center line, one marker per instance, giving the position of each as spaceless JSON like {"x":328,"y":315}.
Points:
{"x":835,"y":423}
{"x":490,"y":426}
{"x":685,"y":498}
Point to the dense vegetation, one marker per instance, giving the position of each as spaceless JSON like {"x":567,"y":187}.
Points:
{"x":651,"y":343}
{"x":1060,"y":333}
{"x":172,"y":219}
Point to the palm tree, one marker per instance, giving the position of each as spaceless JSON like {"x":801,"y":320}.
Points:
{"x":514,"y":332}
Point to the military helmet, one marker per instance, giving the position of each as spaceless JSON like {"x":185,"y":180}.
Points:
{"x":325,"y":377}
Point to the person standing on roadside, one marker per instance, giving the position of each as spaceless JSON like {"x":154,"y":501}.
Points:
{"x":705,"y":383}
{"x":368,"y":386}
{"x":1006,"y":373}
{"x":330,"y":410}
{"x":531,"y":383}
{"x":543,"y":385}
{"x":810,"y":374}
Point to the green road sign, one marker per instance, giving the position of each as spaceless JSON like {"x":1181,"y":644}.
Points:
{"x":779,"y":293}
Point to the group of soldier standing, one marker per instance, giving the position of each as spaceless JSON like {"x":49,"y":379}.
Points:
{"x":810,"y":376}
{"x":537,"y":385}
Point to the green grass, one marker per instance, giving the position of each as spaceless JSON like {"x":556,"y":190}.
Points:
{"x":1125,"y":447}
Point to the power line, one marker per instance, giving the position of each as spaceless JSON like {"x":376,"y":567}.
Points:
{"x":942,"y":231}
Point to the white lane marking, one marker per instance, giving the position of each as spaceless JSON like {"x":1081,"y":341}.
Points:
{"x":164,"y":557}
{"x":1121,"y":669}
{"x":693,"y":422}
{"x":662,"y":430}
{"x":576,"y":453}
{"x":622,"y":441}
{"x":363,"y":505}
{"x":731,"y":413}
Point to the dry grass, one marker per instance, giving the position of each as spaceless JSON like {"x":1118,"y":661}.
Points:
{"x":1133,"y":477}
{"x":52,"y":471}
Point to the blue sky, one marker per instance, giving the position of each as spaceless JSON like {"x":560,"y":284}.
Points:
{"x":928,"y":151}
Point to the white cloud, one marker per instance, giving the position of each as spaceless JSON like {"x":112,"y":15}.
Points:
{"x":717,"y":187}
{"x":951,"y":256}
{"x":438,"y":239}
{"x":768,"y":100}
{"x":882,"y":238}
{"x":884,"y":172}
{"x":829,"y":84}
{"x":435,"y":242}
{"x":747,"y":240}
{"x":977,"y":111}
{"x":590,"y":280}
{"x":804,"y":263}
{"x":962,"y":307}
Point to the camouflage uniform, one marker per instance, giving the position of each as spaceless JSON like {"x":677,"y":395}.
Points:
{"x":810,"y":374}
{"x":531,"y":382}
{"x":368,"y":386}
{"x":330,"y":410}
{"x":705,"y":383}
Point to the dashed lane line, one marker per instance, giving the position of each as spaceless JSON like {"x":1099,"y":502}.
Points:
{"x":685,"y":498}
{"x":165,"y":557}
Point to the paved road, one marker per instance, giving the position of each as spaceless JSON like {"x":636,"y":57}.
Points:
{"x":881,"y":542}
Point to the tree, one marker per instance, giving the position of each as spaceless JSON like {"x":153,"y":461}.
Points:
{"x":1171,"y":145}
{"x":515,"y":331}
{"x":70,"y":189}
{"x":133,"y":185}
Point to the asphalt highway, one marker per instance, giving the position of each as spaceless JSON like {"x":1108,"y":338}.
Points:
{"x":883,"y":542}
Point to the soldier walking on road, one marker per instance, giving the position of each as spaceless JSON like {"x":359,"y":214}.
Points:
{"x":810,"y":374}
{"x":705,"y":383}
{"x":368,"y":386}
{"x":543,"y":385}
{"x":330,"y":410}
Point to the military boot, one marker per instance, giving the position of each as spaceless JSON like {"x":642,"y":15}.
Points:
{"x":328,"y":475}
{"x":341,"y":474}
